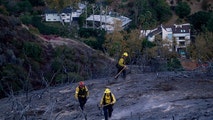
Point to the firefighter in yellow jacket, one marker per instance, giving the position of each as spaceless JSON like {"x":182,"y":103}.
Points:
{"x":81,"y":94}
{"x":107,"y":102}
{"x":121,"y":65}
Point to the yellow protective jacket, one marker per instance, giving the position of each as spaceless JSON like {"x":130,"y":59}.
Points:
{"x":106,"y":100}
{"x":81,"y":92}
{"x":121,"y":62}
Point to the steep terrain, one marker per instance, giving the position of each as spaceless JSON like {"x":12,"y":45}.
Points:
{"x":185,"y":95}
{"x":29,"y":61}
{"x":147,"y":96}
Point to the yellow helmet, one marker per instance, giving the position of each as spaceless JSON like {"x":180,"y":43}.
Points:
{"x":125,"y":54}
{"x":107,"y":90}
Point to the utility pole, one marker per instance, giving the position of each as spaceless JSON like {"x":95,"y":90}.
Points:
{"x":105,"y":18}
{"x":93,"y":12}
{"x":70,"y":15}
{"x":101,"y":16}
{"x":86,"y":12}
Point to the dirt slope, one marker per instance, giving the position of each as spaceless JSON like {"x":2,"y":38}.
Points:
{"x":161,"y":96}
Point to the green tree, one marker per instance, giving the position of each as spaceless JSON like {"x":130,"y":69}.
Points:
{"x":17,"y":7}
{"x":3,"y":10}
{"x":134,"y":42}
{"x":134,"y":45}
{"x":146,"y":20}
{"x":202,"y":49}
{"x":210,"y":23}
{"x":37,"y":2}
{"x":199,"y":19}
{"x":12,"y":7}
{"x":32,"y":50}
{"x":150,"y":12}
{"x":25,"y":6}
{"x":182,"y":9}
{"x":114,"y":43}
{"x":162,"y":10}
{"x":60,"y":4}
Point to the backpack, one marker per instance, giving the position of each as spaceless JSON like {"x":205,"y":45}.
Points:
{"x":82,"y":91}
{"x":104,"y":100}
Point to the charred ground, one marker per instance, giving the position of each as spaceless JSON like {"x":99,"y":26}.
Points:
{"x":158,"y":96}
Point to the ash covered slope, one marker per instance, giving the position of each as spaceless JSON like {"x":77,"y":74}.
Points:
{"x":178,"y":96}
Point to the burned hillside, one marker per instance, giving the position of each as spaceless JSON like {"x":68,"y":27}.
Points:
{"x":182,"y":95}
{"x":29,"y":61}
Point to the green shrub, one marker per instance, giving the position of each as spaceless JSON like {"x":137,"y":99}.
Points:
{"x":14,"y":77}
{"x":26,"y":19}
{"x":74,"y":77}
{"x":56,"y":64}
{"x":35,"y":66}
{"x":3,"y":10}
{"x":60,"y":78}
{"x":174,"y":64}
{"x":32,"y":50}
{"x":71,"y":66}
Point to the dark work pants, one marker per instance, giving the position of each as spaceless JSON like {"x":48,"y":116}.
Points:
{"x":123,"y":72}
{"x":107,"y":111}
{"x":82,"y":102}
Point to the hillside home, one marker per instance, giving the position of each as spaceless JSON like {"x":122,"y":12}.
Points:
{"x":64,"y":15}
{"x":178,"y":34}
{"x":108,"y":22}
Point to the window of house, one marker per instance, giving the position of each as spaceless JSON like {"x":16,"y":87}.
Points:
{"x":181,"y":38}
{"x":169,"y":36}
{"x":182,"y":43}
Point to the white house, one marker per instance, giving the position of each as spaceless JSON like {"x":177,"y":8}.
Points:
{"x":180,"y":34}
{"x":51,"y":15}
{"x":107,"y":22}
{"x":64,"y":15}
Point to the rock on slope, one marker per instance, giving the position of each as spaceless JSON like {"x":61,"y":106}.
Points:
{"x":148,"y":96}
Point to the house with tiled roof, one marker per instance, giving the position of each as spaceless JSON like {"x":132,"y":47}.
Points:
{"x":65,"y":15}
{"x":178,"y":34}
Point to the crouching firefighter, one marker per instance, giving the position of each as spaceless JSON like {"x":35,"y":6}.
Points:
{"x":81,"y":94}
{"x":107,"y":102}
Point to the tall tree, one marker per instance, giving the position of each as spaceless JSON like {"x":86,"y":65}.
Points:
{"x":199,"y":19}
{"x":210,"y":23}
{"x":182,"y":9}
{"x":202,"y":49}
{"x":58,"y":4}
{"x":134,"y":45}
{"x":115,"y":43}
